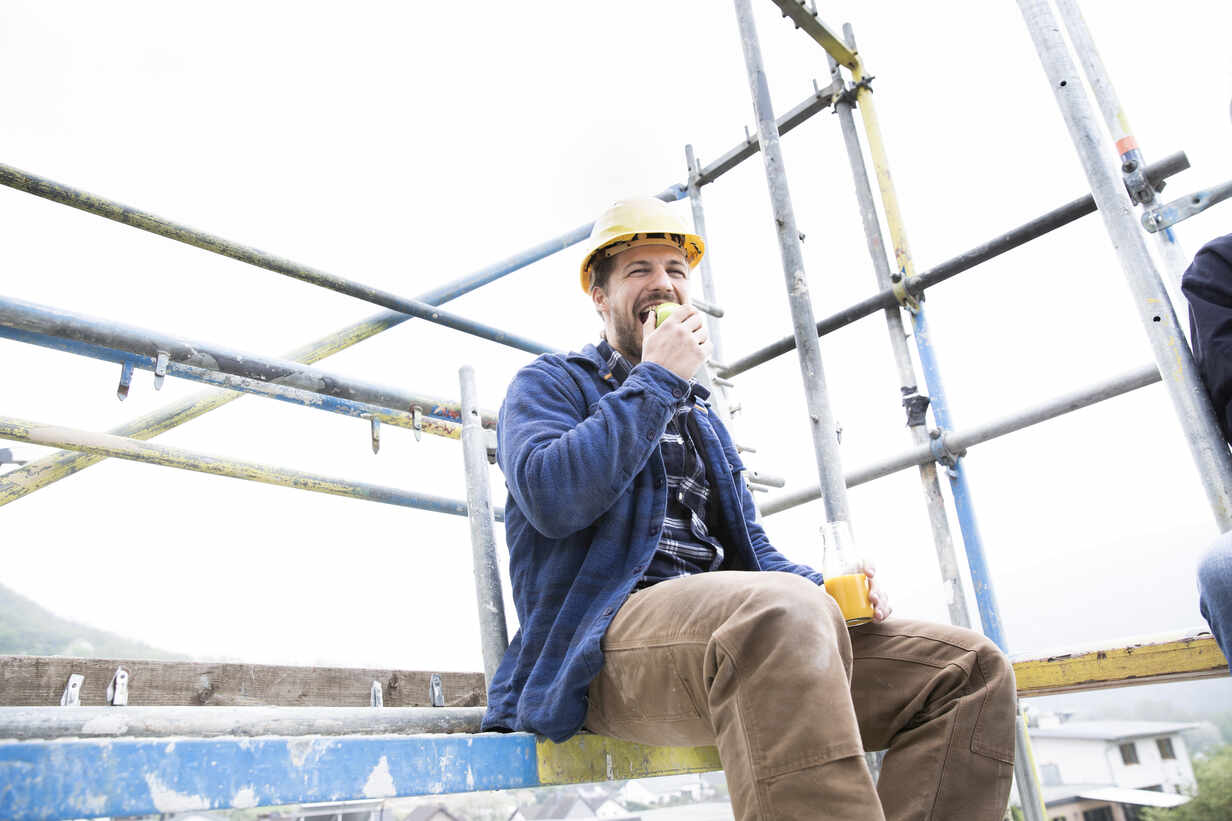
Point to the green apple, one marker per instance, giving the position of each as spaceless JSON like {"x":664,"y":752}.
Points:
{"x":663,"y":312}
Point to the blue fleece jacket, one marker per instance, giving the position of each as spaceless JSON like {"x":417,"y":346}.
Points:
{"x":587,"y":495}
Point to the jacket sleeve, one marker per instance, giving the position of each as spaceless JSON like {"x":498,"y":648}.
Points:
{"x":564,"y":463}
{"x":1207,"y":285}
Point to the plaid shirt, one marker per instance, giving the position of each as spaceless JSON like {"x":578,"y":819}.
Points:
{"x":686,"y":546}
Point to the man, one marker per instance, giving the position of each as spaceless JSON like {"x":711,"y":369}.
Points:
{"x":1207,"y":285}
{"x":653,"y":608}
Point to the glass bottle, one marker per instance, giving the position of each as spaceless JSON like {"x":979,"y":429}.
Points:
{"x":842,"y":565}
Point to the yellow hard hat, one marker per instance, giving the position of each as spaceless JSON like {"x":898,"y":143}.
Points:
{"x":630,"y":223}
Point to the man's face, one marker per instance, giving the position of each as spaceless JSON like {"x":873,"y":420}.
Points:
{"x":641,"y":278}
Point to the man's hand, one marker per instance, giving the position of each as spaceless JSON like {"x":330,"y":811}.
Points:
{"x":680,"y":344}
{"x":877,"y":597}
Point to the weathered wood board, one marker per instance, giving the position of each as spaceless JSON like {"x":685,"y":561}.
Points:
{"x":30,"y":681}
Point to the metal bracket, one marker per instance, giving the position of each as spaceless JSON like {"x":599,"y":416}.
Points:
{"x":72,"y":691}
{"x":375,"y":425}
{"x":417,"y":422}
{"x":160,"y":369}
{"x":377,"y":699}
{"x":916,"y":405}
{"x":126,"y":380}
{"x":1165,"y":216}
{"x":117,"y":690}
{"x":436,"y":693}
{"x":721,"y":382}
{"x":490,"y":444}
{"x":942,"y":452}
{"x":744,"y":448}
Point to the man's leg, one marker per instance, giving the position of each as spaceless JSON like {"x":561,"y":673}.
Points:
{"x":942,"y":700}
{"x":1215,"y":592}
{"x":757,"y":663}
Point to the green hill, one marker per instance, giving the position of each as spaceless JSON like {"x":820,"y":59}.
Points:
{"x":26,"y":629}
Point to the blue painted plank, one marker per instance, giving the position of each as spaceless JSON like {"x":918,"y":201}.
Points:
{"x":83,"y":778}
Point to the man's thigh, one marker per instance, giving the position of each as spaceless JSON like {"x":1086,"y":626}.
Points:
{"x":653,"y":686}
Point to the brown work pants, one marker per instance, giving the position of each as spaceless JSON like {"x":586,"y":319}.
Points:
{"x":763,"y":666}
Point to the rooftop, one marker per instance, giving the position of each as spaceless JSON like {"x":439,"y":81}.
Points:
{"x":1112,"y":730}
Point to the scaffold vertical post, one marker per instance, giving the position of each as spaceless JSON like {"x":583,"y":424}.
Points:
{"x":1172,"y":355}
{"x":913,"y":401}
{"x":1133,"y":166}
{"x":1025,"y":775}
{"x":821,"y":418}
{"x":718,"y":392}
{"x":493,"y":632}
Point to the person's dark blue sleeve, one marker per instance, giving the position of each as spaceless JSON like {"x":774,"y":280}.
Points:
{"x":1207,"y":284}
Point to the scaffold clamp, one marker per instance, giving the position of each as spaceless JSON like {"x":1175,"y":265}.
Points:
{"x":906,"y":300}
{"x":849,"y":93}
{"x":1139,"y":187}
{"x":942,"y":451}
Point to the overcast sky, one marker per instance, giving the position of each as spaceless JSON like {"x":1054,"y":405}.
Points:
{"x":405,"y":145}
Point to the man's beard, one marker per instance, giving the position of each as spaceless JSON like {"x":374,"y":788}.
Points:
{"x":628,"y":338}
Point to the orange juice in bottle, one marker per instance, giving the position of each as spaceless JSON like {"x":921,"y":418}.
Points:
{"x":843,"y":569}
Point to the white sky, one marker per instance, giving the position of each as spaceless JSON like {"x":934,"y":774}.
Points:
{"x":404,"y":145}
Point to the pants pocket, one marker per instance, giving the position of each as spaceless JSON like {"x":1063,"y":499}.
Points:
{"x":642,"y":685}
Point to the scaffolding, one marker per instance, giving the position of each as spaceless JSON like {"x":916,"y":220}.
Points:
{"x":73,"y":761}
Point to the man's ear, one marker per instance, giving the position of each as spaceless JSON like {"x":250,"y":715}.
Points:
{"x":599,"y":297}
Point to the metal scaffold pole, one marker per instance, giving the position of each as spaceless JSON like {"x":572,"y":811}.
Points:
{"x":1172,"y":354}
{"x":719,"y":390}
{"x":120,"y":447}
{"x":821,"y":418}
{"x":1132,"y":164}
{"x":913,"y":402}
{"x":1025,"y":774}
{"x":494,"y":634}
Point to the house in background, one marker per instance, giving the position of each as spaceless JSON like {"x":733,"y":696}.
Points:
{"x":574,"y":804}
{"x":667,"y":789}
{"x":432,"y":812}
{"x":1107,"y":770}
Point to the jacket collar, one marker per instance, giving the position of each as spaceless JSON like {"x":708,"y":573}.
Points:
{"x":590,"y":357}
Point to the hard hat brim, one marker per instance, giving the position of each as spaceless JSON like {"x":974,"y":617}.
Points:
{"x":692,"y":246}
